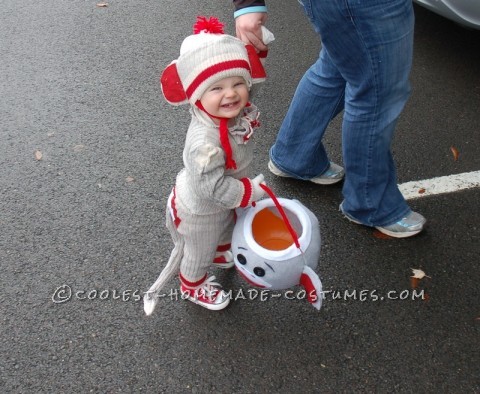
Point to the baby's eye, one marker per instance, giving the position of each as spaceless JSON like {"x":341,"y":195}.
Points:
{"x":215,"y":88}
{"x":240,"y":83}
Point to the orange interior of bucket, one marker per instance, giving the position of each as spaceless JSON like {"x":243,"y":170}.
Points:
{"x":270,"y":232}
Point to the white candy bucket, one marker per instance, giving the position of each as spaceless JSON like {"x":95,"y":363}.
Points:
{"x":276,"y":245}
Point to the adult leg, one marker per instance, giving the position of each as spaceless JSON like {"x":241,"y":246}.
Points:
{"x":370,"y":42}
{"x":319,"y":97}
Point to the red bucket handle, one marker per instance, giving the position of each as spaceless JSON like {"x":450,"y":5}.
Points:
{"x":282,"y":212}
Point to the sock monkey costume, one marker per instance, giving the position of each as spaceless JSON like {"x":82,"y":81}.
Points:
{"x":215,"y":178}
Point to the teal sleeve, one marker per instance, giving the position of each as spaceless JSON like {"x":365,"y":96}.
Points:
{"x":249,"y":10}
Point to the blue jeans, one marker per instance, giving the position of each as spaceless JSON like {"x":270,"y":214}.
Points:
{"x":363,"y":69}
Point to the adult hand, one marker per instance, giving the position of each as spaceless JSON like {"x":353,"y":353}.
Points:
{"x":248,"y":29}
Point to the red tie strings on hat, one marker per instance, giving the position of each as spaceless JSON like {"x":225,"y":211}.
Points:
{"x":229,"y":161}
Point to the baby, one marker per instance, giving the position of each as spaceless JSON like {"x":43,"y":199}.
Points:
{"x":214,"y":74}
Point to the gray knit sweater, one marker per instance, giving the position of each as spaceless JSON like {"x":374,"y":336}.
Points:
{"x":204,"y":186}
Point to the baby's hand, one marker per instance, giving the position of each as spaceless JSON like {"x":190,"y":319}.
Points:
{"x":257,"y":190}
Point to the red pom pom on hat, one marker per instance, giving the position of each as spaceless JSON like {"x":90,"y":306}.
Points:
{"x":211,"y":25}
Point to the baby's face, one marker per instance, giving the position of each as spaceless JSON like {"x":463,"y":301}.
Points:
{"x":226,"y":98}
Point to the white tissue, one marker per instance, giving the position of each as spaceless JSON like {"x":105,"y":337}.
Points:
{"x":267,"y":36}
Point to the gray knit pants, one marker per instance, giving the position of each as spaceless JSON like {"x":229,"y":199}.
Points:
{"x":201,"y":234}
{"x":196,"y":239}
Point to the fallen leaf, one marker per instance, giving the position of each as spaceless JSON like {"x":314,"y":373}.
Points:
{"x":38,"y":155}
{"x":102,"y":4}
{"x":413,"y":282}
{"x":380,"y":235}
{"x":418,"y":274}
{"x":129,"y":179}
{"x":454,"y":153}
{"x":421,"y":191}
{"x":78,"y":148}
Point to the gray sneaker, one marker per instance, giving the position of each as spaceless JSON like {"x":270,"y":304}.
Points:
{"x":333,"y":174}
{"x":408,"y":226}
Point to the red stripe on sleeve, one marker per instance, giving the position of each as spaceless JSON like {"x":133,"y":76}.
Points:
{"x":248,"y":192}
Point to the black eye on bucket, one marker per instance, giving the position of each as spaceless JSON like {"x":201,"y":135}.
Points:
{"x":259,"y":271}
{"x":241,"y":259}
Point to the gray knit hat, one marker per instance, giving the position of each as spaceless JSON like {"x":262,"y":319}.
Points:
{"x":206,"y":57}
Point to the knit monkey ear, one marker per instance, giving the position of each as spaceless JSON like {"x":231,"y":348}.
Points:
{"x":172,"y":88}
{"x":256,"y":66}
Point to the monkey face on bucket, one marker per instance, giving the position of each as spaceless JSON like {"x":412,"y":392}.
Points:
{"x":268,"y":256}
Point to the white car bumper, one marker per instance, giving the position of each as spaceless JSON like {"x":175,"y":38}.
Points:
{"x":464,"y":12}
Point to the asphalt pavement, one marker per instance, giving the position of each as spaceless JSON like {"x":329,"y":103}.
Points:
{"x":88,"y":153}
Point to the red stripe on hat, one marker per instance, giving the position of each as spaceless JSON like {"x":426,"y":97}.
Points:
{"x":215,"y":69}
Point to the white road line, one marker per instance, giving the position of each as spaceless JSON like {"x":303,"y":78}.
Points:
{"x":440,"y":185}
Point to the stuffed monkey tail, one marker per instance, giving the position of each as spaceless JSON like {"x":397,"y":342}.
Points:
{"x":172,"y":268}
